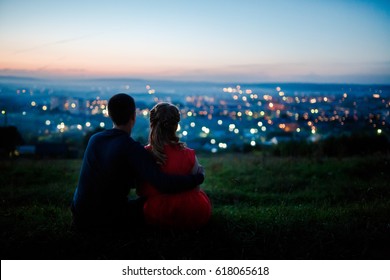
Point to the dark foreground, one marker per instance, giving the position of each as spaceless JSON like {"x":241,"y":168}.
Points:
{"x":264,"y":208}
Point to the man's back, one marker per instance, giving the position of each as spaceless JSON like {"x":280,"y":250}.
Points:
{"x":106,"y":176}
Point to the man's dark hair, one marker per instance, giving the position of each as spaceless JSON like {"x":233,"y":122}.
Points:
{"x":121,"y":108}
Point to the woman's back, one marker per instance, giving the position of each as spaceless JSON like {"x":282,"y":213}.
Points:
{"x":186,"y":210}
{"x":179,"y":160}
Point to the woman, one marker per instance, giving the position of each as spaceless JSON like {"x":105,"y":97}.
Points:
{"x":186,"y":210}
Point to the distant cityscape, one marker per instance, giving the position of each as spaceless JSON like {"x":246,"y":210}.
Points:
{"x":214,"y":117}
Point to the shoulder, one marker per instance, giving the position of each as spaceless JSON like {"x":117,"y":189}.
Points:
{"x":109,"y":134}
{"x":98,"y":134}
{"x":135,"y":144}
{"x":136,"y":152}
{"x":189,"y":151}
{"x":191,"y":155}
{"x":97,"y":137}
{"x":176,"y":148}
{"x":182,"y":151}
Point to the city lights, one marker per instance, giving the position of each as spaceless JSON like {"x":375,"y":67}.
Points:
{"x":214,"y":123}
{"x":145,"y":112}
{"x":222,"y":145}
{"x":205,"y":130}
{"x":61,"y":127}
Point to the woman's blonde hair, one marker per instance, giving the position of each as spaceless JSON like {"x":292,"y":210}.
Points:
{"x":164,"y":118}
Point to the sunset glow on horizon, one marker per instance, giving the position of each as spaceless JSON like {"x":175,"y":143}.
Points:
{"x":222,"y":41}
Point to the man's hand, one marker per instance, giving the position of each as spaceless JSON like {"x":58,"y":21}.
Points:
{"x":201,"y":170}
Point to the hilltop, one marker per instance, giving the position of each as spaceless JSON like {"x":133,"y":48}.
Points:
{"x":263,"y":208}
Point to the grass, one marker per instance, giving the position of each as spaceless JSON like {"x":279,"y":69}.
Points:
{"x":263,"y":208}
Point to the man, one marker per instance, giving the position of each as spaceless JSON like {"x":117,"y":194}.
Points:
{"x":113,"y":163}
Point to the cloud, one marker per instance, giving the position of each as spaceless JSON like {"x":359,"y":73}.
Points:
{"x":60,"y":42}
{"x":50,"y":44}
{"x":45,"y":72}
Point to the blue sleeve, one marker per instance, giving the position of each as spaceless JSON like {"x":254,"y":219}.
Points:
{"x":148,"y":170}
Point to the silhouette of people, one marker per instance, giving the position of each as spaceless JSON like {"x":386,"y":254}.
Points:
{"x":113,"y":162}
{"x":186,"y":210}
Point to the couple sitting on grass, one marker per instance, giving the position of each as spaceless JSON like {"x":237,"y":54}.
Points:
{"x":165,"y":173}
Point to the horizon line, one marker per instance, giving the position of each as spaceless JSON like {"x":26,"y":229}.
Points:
{"x":173,"y":80}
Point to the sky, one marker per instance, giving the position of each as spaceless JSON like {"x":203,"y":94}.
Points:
{"x":344,"y":41}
